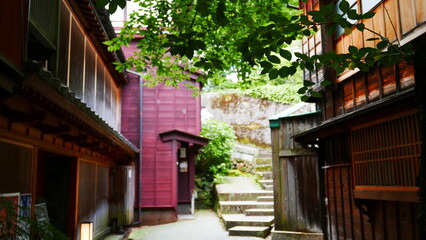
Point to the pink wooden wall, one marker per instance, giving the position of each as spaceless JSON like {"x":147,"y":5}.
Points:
{"x":164,"y":108}
{"x":130,"y":109}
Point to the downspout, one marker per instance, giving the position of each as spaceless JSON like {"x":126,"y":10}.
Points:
{"x":139,"y":165}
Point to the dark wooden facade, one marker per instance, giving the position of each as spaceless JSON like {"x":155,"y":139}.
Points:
{"x":60,"y":111}
{"x":369,"y":136}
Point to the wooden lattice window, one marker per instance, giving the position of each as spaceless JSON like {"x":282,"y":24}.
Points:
{"x":385,"y":153}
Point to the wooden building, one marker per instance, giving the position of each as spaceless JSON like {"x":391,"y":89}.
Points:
{"x":369,"y":134}
{"x":169,"y":123}
{"x":60,"y":113}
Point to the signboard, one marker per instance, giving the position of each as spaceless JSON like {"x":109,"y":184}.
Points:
{"x":41,"y":213}
{"x":25,"y":212}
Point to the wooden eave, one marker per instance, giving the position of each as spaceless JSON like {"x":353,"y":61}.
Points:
{"x":343,"y":122}
{"x":48,"y":92}
{"x":183,"y":137}
{"x":99,"y":29}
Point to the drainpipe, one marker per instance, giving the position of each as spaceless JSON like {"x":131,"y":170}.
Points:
{"x":139,"y":165}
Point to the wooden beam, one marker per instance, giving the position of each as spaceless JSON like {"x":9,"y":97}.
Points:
{"x":72,"y":138}
{"x":18,"y":116}
{"x":90,"y":144}
{"x":53,"y":129}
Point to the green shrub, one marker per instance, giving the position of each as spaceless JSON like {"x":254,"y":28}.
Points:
{"x":213,"y":161}
{"x":219,"y":149}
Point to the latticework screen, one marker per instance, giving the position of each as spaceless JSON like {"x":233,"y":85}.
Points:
{"x":386,"y":153}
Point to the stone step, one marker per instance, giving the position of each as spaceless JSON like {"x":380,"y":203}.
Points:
{"x":265,"y":199}
{"x":239,"y":207}
{"x":266,"y":181}
{"x":265,"y":175}
{"x":265,"y":153}
{"x":244,"y":196}
{"x":263,"y":161}
{"x":261,"y":232}
{"x":263,"y":168}
{"x":269,"y":187}
{"x":260,"y":212}
{"x":232,"y":220}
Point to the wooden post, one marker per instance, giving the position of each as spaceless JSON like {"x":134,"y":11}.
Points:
{"x":420,"y":78}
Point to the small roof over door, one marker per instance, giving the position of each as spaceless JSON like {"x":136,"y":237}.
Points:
{"x":183,"y":137}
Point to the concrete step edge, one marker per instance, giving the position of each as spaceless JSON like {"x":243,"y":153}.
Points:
{"x":262,"y":232}
{"x":265,"y":199}
{"x":260,"y":212}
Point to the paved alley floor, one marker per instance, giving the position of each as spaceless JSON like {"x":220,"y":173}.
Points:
{"x":205,"y":226}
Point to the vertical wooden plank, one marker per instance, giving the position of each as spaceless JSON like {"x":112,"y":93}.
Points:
{"x":276,"y":176}
{"x":65,"y":24}
{"x":90,"y":76}
{"x":174,"y":170}
{"x":327,"y":205}
{"x":292,"y":204}
{"x":336,"y":222}
{"x":357,"y":39}
{"x":76,"y":59}
{"x":100,"y":88}
{"x":389,"y":80}
{"x":367,"y":34}
{"x":391,"y":19}
{"x":302,"y":167}
{"x":343,"y":206}
{"x":407,"y":15}
{"x":349,"y":201}
{"x":379,"y":21}
{"x":286,"y":193}
{"x":420,"y":11}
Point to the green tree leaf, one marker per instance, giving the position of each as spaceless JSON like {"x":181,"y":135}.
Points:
{"x":344,"y":6}
{"x":273,"y":74}
{"x":286,"y":54}
{"x":274,"y":59}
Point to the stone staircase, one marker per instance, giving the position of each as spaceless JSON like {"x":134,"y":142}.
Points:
{"x":246,"y":208}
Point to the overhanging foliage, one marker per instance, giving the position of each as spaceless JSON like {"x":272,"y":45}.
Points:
{"x":237,"y":35}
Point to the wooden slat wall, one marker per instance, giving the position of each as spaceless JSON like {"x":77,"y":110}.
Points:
{"x":13,"y":23}
{"x":76,"y":59}
{"x":394,"y":18}
{"x":63,"y":45}
{"x":81,"y":68}
{"x":93,"y":194}
{"x":350,"y":218}
{"x":364,"y":88}
{"x":86,"y":192}
{"x":102,"y":199}
{"x":16,"y":167}
{"x":296,"y":179}
{"x":122,"y":197}
{"x":90,"y":77}
{"x":45,"y":21}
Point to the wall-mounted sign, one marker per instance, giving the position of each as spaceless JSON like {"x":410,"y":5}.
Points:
{"x":182,"y":152}
{"x":183,"y":166}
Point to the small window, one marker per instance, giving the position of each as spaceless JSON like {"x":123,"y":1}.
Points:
{"x":367,"y":5}
{"x":353,"y":5}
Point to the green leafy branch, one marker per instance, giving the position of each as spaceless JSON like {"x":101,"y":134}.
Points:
{"x":214,"y":36}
